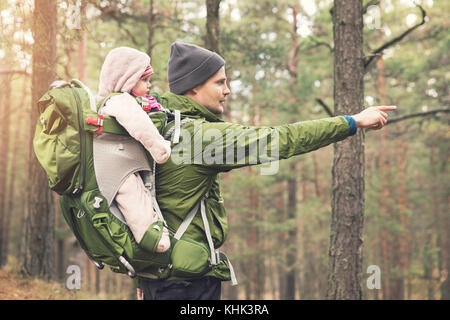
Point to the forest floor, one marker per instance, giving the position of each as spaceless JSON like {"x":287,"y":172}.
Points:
{"x":15,"y":286}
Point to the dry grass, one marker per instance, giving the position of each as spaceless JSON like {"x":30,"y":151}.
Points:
{"x":16,"y":286}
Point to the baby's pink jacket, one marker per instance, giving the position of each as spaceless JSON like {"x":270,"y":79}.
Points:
{"x":133,"y":199}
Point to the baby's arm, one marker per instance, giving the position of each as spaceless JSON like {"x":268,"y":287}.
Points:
{"x":130,"y":115}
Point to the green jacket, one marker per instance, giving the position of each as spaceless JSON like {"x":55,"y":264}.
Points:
{"x":179,"y":186}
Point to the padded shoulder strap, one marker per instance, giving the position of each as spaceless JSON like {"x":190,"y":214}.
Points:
{"x":109,"y":124}
{"x":176,"y":129}
{"x":79,"y":84}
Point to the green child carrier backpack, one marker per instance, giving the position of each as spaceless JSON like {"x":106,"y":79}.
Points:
{"x":67,"y":138}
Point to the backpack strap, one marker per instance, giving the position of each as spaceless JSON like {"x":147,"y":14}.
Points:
{"x":106,"y":124}
{"x":187,"y":221}
{"x":214,"y":259}
{"x":79,"y":84}
{"x":176,"y":134}
{"x":175,"y":130}
{"x":112,"y":126}
{"x":216,"y":256}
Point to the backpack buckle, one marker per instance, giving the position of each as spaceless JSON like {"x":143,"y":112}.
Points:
{"x":96,"y":121}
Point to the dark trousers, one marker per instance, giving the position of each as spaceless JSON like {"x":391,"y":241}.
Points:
{"x":207,"y":288}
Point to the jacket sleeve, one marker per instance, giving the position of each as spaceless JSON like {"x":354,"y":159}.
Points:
{"x":224,"y":146}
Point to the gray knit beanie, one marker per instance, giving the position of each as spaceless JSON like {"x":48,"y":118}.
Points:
{"x":190,"y":66}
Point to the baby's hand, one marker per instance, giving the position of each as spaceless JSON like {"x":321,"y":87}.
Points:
{"x":160,"y":150}
{"x":164,"y":242}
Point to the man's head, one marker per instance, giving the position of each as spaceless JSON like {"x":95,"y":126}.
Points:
{"x":199,"y":74}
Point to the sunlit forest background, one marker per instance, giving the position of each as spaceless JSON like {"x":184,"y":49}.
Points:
{"x":272,"y":218}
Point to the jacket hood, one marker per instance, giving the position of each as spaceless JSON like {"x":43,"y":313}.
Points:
{"x":122,"y":69}
{"x":187,"y":106}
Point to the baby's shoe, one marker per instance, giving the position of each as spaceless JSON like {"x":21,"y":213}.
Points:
{"x":160,"y":150}
{"x":156,"y":238}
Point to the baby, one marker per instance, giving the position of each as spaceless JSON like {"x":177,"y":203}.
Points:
{"x":128,"y":71}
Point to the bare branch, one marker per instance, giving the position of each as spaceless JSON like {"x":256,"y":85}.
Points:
{"x":325,"y":106}
{"x":121,"y":17}
{"x":418,"y":114}
{"x":378,"y":52}
{"x":320,"y":43}
{"x":115,"y":13}
{"x":293,"y":53}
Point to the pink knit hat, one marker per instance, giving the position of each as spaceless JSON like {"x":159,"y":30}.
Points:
{"x":148,"y":72}
{"x":122,"y":69}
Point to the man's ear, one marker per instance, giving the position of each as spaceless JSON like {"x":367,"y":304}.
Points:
{"x":192,"y":92}
{"x":195,"y":90}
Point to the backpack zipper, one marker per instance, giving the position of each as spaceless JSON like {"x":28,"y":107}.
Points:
{"x":82,"y":142}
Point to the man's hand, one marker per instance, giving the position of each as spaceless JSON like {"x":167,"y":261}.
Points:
{"x":373,"y":117}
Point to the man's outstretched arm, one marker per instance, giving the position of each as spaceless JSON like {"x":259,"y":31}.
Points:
{"x":225,"y":146}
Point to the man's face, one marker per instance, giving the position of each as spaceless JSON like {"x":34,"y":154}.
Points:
{"x":213,"y":93}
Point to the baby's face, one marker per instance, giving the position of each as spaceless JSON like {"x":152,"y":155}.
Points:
{"x":142,"y":87}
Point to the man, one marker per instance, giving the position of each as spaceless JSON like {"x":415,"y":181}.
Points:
{"x":198,"y":86}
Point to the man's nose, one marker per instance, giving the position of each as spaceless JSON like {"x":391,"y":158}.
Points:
{"x":226,"y":91}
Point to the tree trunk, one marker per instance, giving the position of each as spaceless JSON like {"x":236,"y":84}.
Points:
{"x":150,"y":27}
{"x":396,"y":280}
{"x":5,"y":111}
{"x":280,"y":205}
{"x":291,"y":244}
{"x":389,"y":249}
{"x":37,"y":258}
{"x":402,"y":236}
{"x":17,"y":142}
{"x":307,"y":289}
{"x":82,"y":47}
{"x":345,"y":256}
{"x":212,"y":25}
{"x":445,"y":196}
{"x":316,"y":175}
{"x":441,"y":219}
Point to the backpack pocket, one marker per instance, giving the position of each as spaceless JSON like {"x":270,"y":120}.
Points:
{"x":90,"y":240}
{"x":51,"y":120}
{"x":57,"y":146}
{"x":189,"y":258}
